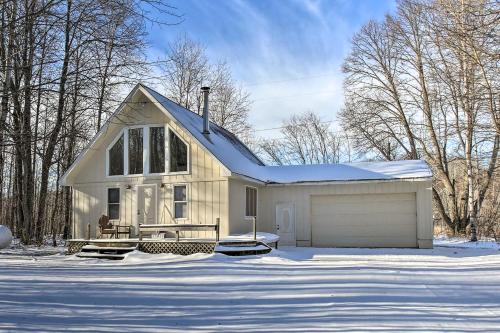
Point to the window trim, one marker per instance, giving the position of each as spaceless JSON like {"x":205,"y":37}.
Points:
{"x":119,"y":202}
{"x":187,"y":202}
{"x":125,"y":152}
{"x":145,"y":151}
{"x":256,"y":202}
{"x":148,"y":157}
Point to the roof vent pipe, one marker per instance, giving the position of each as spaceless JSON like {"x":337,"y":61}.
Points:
{"x":206,"y":118}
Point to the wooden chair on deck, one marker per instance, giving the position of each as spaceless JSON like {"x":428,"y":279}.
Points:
{"x":108,"y":228}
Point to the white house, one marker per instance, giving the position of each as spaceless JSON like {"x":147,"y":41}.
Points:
{"x":157,"y":162}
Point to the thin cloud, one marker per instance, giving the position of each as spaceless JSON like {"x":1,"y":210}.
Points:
{"x":287,"y":54}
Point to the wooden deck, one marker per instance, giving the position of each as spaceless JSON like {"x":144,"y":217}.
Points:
{"x":183,"y":246}
{"x":177,"y":245}
{"x":154,"y":246}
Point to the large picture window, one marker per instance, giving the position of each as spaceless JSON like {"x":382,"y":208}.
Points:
{"x":142,"y":150}
{"x":156,"y":149}
{"x":251,"y":202}
{"x":178,"y":153}
{"x":115,"y":157}
{"x":135,"y":151}
{"x":180,"y":201}
{"x":114,"y":203}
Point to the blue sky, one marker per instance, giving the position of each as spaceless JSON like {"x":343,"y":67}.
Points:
{"x":286,"y":53}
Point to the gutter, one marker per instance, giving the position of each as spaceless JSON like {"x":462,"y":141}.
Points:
{"x":328,"y":182}
{"x":333,"y":182}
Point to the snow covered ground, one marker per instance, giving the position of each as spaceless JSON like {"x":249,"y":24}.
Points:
{"x":293,"y":289}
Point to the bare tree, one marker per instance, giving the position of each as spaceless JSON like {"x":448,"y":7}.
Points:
{"x":62,"y":63}
{"x":186,"y":69}
{"x":423,"y":83}
{"x":305,"y":140}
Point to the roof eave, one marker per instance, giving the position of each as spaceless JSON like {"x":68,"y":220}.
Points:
{"x":235,"y":175}
{"x":350,"y":181}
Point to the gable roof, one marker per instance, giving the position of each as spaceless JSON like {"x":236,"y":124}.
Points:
{"x":224,"y":145}
{"x":240,"y":160}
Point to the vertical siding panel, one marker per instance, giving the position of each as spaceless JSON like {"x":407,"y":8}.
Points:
{"x":216,"y":200}
{"x":162,"y":210}
{"x":210,"y":208}
{"x":127,"y":202}
{"x":168,"y":204}
{"x":195,"y":194}
{"x":203,"y":203}
{"x":77,"y":208}
{"x":87,"y":212}
{"x":195,"y":169}
{"x":93,"y":213}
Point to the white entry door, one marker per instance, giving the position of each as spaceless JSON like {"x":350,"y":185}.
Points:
{"x":285,"y":223}
{"x":146,"y":205}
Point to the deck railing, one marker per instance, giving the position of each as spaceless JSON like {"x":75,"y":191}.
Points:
{"x":177,"y":228}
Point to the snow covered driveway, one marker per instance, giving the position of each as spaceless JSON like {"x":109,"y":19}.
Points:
{"x":300,"y":290}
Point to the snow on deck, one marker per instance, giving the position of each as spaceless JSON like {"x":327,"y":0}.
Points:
{"x":265,"y":237}
{"x":292,"y":289}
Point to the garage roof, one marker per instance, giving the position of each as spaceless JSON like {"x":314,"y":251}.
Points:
{"x":392,"y":170}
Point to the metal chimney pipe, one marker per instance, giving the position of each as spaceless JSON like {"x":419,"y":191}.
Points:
{"x":206,"y":117}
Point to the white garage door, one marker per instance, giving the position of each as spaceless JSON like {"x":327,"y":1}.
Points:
{"x":364,"y":220}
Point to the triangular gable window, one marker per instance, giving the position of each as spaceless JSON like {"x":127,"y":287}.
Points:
{"x":178,"y":154}
{"x":115,"y":156}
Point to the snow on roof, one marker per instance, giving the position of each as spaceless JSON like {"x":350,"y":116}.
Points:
{"x":224,"y":145}
{"x":240,"y":160}
{"x":392,"y":170}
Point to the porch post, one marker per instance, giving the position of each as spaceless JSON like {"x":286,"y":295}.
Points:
{"x":217,"y":227}
{"x":254,"y":228}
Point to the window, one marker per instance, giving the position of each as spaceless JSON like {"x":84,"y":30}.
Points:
{"x":142,"y":150}
{"x":180,"y":201}
{"x":178,"y":153}
{"x":115,"y":158}
{"x":156,"y":149}
{"x":251,"y":202}
{"x":114,"y":203}
{"x":135,"y":153}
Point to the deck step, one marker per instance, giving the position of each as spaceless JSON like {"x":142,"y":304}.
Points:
{"x":96,"y":255}
{"x":242,"y":248}
{"x":105,"y":252}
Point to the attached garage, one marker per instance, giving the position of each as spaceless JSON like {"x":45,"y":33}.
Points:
{"x":364,"y":220}
{"x":372,"y":204}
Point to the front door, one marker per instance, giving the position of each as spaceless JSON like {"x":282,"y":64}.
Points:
{"x":285,"y":223}
{"x":146,"y":205}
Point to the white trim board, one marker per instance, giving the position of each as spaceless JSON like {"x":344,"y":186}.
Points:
{"x":145,"y":157}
